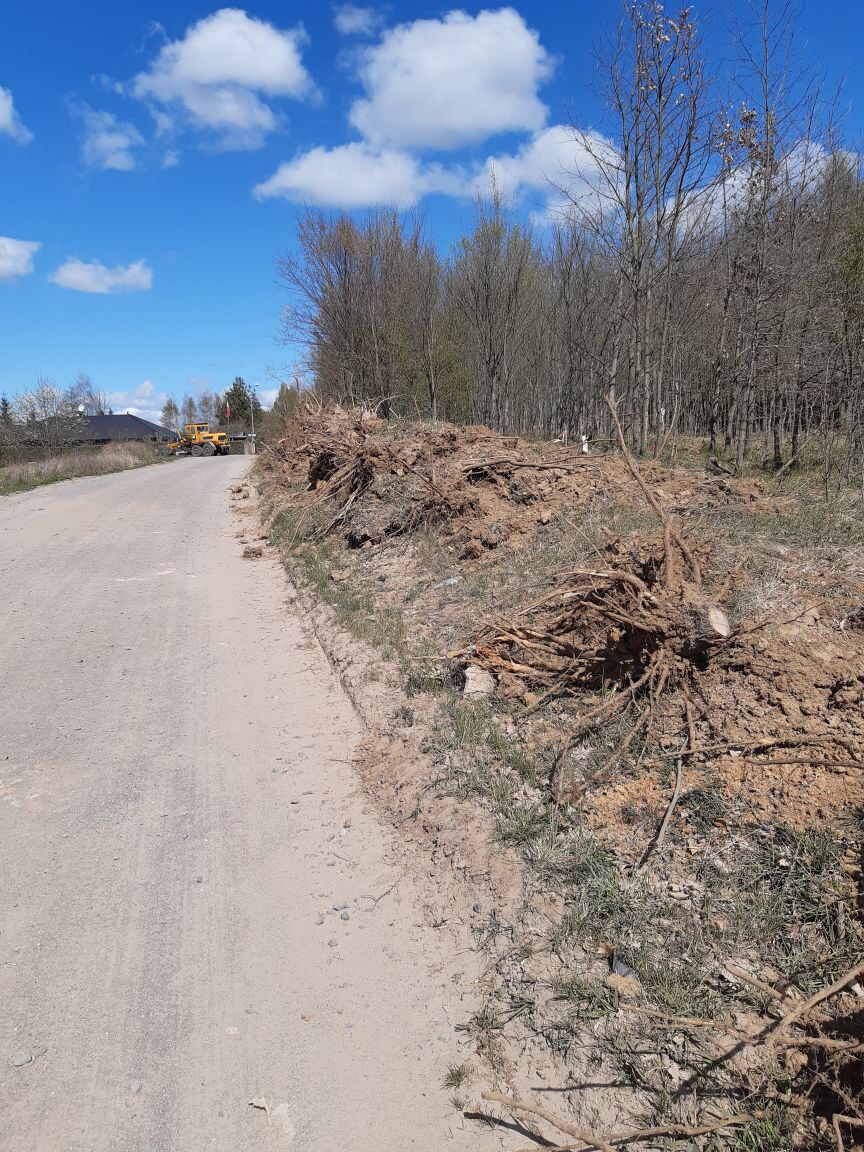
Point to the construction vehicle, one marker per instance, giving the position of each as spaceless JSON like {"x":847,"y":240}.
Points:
{"x":198,"y":440}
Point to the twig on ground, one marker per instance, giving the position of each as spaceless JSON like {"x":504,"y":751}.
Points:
{"x":605,"y":1143}
{"x":587,"y":1138}
{"x":816,"y":999}
{"x":376,"y":899}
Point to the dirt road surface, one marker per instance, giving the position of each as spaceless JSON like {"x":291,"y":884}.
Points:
{"x":189,"y":871}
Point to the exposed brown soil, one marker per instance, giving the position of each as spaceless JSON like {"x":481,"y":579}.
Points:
{"x":777,"y":705}
{"x":655,"y":643}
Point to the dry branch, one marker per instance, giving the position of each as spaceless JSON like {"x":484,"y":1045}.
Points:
{"x":605,"y":1144}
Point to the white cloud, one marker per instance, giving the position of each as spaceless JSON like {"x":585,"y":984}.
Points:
{"x":565,"y":168}
{"x":448,"y":83}
{"x":357,"y":176}
{"x":351,"y":20}
{"x":267,"y":396}
{"x":144,"y":400}
{"x":16,"y":257}
{"x":108,"y":143}
{"x":548,"y":158}
{"x":10,"y":121}
{"x":219,"y":68}
{"x":82,"y":276}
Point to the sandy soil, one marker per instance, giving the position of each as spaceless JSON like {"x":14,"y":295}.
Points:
{"x":190,"y":872}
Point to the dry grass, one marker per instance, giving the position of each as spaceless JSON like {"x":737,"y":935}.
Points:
{"x":81,"y":462}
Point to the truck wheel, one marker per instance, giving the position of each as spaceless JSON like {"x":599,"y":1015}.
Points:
{"x":209,"y":449}
{"x":196,"y":449}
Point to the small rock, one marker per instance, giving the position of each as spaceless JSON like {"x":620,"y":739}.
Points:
{"x":319,"y":919}
{"x":252,"y":551}
{"x":333,"y":942}
{"x":341,"y":906}
{"x":478,"y":682}
{"x":344,"y":916}
{"x":478,"y":908}
{"x":718,"y":622}
{"x":135,"y":1087}
{"x":20,"y":1059}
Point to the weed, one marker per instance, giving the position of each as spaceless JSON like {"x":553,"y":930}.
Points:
{"x":404,"y":716}
{"x":769,"y":1131}
{"x":285,"y":526}
{"x":546,"y":854}
{"x":705,"y":806}
{"x":483,"y":1023}
{"x":457,"y":1076}
{"x":786,"y":893}
{"x":520,"y":823}
{"x":589,"y":1001}
{"x":420,"y":679}
{"x":487,"y":931}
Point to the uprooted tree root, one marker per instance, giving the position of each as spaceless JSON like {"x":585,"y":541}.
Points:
{"x":347,"y":456}
{"x":636,"y":627}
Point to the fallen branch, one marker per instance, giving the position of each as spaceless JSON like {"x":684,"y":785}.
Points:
{"x":817,"y":998}
{"x":605,"y":1144}
{"x":765,"y":989}
{"x":586,"y":1138}
{"x":661,"y":831}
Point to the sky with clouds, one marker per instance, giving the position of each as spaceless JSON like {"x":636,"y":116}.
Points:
{"x":154,"y":156}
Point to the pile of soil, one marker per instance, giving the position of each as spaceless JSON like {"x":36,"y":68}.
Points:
{"x":776,"y":705}
{"x":383,"y":479}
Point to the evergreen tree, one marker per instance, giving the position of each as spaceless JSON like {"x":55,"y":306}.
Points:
{"x":7,"y":427}
{"x":241,"y":401}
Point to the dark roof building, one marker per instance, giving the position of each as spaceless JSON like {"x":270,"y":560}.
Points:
{"x":123,"y":426}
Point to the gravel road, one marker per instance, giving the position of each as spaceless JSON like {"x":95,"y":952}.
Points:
{"x":188,"y":866}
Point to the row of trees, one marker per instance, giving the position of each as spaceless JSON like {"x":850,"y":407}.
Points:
{"x":706,"y":267}
{"x":236,"y":409}
{"x":49,"y":418}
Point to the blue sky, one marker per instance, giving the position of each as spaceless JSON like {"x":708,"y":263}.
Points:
{"x":153,"y":157}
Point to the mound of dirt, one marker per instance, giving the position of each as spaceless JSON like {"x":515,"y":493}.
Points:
{"x":366,"y":480}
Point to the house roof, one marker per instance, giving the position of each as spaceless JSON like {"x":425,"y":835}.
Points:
{"x":123,"y":426}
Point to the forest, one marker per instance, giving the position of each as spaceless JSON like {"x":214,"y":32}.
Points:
{"x":705,"y":268}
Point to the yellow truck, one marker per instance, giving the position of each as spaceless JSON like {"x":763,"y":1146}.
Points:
{"x":198,"y":440}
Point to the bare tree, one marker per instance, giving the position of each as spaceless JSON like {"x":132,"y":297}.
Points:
{"x":48,"y":416}
{"x":85,"y":396}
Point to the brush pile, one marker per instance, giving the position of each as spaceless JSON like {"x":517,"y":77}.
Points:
{"x":364,"y":480}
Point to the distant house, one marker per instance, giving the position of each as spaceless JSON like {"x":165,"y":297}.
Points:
{"x":123,"y":426}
